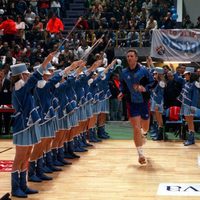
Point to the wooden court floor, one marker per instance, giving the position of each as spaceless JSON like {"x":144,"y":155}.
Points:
{"x":110,"y":171}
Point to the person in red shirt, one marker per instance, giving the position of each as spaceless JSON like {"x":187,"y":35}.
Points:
{"x":9,"y":30}
{"x":83,"y":23}
{"x":54,"y":25}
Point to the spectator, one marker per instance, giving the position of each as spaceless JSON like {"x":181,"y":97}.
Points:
{"x":29,"y":18}
{"x":141,"y":25}
{"x":172,"y":91}
{"x":198,"y":23}
{"x":151,"y":24}
{"x":37,"y":29}
{"x":56,"y":6}
{"x":20,"y":25}
{"x":198,"y":72}
{"x":44,"y":6}
{"x":115,"y":105}
{"x":123,"y":23}
{"x":148,"y":6}
{"x":143,"y":13}
{"x":92,"y":23}
{"x":34,"y":6}
{"x":113,"y":25}
{"x":182,"y":69}
{"x":21,"y":7}
{"x":121,"y":36}
{"x":187,"y":24}
{"x":156,"y":7}
{"x":97,"y":7}
{"x":83,"y":49}
{"x":54,"y":25}
{"x":8,"y":58}
{"x":5,"y":99}
{"x":83,"y":24}
{"x":17,"y":53}
{"x":9,"y":29}
{"x":168,"y":22}
{"x":4,"y":49}
{"x":133,"y":38}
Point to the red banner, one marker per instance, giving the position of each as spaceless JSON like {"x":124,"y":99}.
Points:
{"x":6,"y":165}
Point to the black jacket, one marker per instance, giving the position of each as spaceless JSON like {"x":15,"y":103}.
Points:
{"x":5,"y":93}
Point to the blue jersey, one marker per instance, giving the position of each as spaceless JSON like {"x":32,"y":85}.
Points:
{"x":131,"y":78}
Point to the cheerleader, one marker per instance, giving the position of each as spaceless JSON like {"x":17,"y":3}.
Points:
{"x":44,"y":96}
{"x":25,"y":126}
{"x":189,"y":96}
{"x":85,"y":109}
{"x":62,"y":119}
{"x":104,"y":96}
{"x":195,"y":99}
{"x":91,"y":118}
{"x":157,"y":100}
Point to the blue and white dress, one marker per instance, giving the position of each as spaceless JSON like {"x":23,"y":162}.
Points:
{"x":71,"y":108}
{"x":196,"y":99}
{"x":43,"y":97}
{"x":157,"y":97}
{"x":94,"y":89}
{"x":63,"y":118}
{"x":26,"y":117}
{"x":186,"y":97}
{"x":81,"y":100}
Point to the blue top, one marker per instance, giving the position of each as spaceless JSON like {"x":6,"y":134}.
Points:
{"x":71,"y":94}
{"x":138,"y":76}
{"x":187,"y":94}
{"x":196,"y":95}
{"x":62,"y":98}
{"x":80,"y":91}
{"x":88,"y":94}
{"x":158,"y":92}
{"x":26,"y":113}
{"x":43,"y":97}
{"x":178,"y":78}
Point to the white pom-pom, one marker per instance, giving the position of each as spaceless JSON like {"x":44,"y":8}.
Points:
{"x":1,"y":11}
{"x":119,"y":62}
{"x":90,"y":81}
{"x":197,"y":84}
{"x":162,"y":84}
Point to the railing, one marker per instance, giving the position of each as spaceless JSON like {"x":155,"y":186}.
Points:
{"x":120,"y":38}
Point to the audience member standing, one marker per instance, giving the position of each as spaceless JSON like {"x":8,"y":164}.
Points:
{"x":9,"y":30}
{"x":5,"y":99}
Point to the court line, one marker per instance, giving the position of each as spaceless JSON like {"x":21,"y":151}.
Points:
{"x":6,"y":150}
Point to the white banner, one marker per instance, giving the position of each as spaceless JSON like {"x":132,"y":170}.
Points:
{"x":179,"y":189}
{"x":176,"y":44}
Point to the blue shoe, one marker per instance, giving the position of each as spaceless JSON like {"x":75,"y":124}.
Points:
{"x":55,"y":159}
{"x":49,"y":163}
{"x":16,"y":191}
{"x":101,"y":133}
{"x":190,"y":140}
{"x":40,"y":172}
{"x":23,"y":184}
{"x":32,"y":173}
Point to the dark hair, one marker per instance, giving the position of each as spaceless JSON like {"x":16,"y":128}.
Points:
{"x":14,"y":79}
{"x":134,"y":51}
{"x":166,"y":66}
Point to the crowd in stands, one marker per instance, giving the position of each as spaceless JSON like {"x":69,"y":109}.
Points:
{"x":132,"y":21}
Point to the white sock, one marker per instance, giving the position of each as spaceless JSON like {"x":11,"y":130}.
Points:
{"x":140,"y":151}
{"x":143,"y":132}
